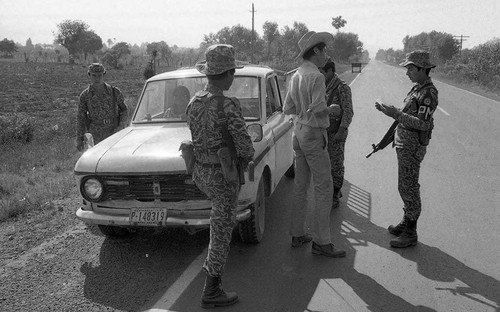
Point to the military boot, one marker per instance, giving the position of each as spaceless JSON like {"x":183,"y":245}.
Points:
{"x":408,"y":237}
{"x":213,"y":295}
{"x":398,"y":229}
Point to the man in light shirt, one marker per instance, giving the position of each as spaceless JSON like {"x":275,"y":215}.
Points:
{"x":306,"y":98}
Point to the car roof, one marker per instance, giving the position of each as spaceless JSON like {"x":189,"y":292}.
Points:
{"x":248,"y":70}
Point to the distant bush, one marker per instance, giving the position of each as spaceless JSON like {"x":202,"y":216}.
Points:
{"x":148,"y":72}
{"x":16,"y":128}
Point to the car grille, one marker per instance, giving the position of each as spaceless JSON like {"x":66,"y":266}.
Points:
{"x":169,"y":188}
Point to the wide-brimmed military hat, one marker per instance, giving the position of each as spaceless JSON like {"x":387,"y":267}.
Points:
{"x":312,"y":38}
{"x":97,"y":68}
{"x":218,"y":59}
{"x":419,"y":58}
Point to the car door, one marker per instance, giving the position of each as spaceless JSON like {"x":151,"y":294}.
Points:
{"x":282,"y":127}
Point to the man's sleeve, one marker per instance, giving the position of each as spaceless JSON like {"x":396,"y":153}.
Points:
{"x":122,"y":108}
{"x":346,"y":104}
{"x":318,"y":94}
{"x":81,"y":115}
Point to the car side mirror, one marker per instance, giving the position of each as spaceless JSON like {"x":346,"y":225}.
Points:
{"x":255,"y":131}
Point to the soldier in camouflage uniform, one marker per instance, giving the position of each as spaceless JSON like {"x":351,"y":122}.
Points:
{"x":101,"y":110}
{"x":337,"y":92}
{"x":411,"y":139}
{"x":206,"y":123}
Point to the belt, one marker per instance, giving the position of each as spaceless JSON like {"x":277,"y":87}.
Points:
{"x":102,"y":122}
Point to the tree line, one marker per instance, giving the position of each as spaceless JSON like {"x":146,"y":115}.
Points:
{"x":75,"y":41}
{"x":479,"y":65}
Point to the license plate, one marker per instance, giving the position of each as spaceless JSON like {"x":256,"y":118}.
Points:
{"x":149,"y":216}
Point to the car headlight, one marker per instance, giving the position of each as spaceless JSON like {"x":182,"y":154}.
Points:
{"x":92,"y":189}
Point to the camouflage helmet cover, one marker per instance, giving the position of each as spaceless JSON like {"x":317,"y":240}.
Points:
{"x":96,"y":68}
{"x":218,"y":59}
{"x":419,"y":58}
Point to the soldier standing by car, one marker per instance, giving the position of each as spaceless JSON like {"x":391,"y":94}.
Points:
{"x":101,"y":110}
{"x":411,"y":139}
{"x":337,"y":92}
{"x":208,"y":114}
{"x":306,"y":98}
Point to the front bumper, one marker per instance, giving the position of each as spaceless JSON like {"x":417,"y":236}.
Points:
{"x":94,"y":218}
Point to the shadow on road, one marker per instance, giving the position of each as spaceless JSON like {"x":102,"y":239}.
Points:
{"x":132,"y":270}
{"x":272,"y":276}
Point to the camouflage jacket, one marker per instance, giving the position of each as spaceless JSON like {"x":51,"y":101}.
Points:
{"x":206,"y":125}
{"x":343,"y":97}
{"x":100,"y":110}
{"x":420,"y":104}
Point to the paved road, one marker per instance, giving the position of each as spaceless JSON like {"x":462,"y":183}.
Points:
{"x":453,"y":268}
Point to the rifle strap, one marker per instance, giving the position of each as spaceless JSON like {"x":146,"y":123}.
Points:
{"x":226,"y":136}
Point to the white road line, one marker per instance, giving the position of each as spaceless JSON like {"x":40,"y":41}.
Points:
{"x":443,"y":111}
{"x":175,"y":291}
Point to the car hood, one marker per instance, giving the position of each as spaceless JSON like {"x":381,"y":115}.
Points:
{"x":144,"y":149}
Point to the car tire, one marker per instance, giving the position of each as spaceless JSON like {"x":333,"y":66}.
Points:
{"x":252,"y":230}
{"x":290,"y":173}
{"x":113,"y":231}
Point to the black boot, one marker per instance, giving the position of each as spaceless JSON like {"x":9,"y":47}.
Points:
{"x":398,"y":229}
{"x":213,"y":295}
{"x":408,"y":237}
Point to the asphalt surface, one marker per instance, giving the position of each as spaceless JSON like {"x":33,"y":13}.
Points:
{"x":454,"y":267}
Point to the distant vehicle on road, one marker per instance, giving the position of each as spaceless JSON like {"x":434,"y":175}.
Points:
{"x":137,"y":177}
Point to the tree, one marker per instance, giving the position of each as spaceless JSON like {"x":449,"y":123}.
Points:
{"x":161,"y":48}
{"x":76,"y":37}
{"x":89,"y":43}
{"x":345,"y":46}
{"x":117,"y":52}
{"x":7,"y":47}
{"x":271,"y":33}
{"x":241,"y":39}
{"x":338,"y":22}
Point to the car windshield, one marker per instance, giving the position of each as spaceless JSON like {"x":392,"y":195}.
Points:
{"x":166,"y":100}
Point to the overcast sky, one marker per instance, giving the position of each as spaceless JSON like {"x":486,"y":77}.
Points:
{"x":378,"y":23}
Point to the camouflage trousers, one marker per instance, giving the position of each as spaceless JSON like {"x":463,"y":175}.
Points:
{"x":408,"y":173}
{"x":100,"y":132}
{"x":336,"y":152}
{"x":224,"y":198}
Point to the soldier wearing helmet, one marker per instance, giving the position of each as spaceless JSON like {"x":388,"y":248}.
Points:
{"x":101,"y":110}
{"x":215,"y":119}
{"x":411,"y":139}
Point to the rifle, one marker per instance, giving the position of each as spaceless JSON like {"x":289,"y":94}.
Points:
{"x":388,"y":138}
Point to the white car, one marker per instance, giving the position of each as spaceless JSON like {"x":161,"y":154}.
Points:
{"x":137,"y":177}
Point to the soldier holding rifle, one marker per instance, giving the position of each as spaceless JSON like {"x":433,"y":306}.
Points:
{"x":411,"y":137}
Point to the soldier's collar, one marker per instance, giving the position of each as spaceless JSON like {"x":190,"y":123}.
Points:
{"x":214,"y":89}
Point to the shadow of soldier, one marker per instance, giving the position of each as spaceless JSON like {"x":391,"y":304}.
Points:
{"x":133,"y":269}
{"x":353,"y":222}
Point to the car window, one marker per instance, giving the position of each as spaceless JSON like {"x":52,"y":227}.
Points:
{"x":166,"y":100}
{"x":273,"y":100}
{"x":247,"y":91}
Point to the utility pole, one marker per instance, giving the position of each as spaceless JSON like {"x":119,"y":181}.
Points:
{"x":461,"y":41}
{"x":253,"y":36}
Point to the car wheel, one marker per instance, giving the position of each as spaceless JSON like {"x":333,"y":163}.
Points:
{"x":252,"y":230}
{"x":290,"y":173}
{"x":113,"y":231}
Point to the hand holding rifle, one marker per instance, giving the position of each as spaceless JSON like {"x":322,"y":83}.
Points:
{"x":390,"y":111}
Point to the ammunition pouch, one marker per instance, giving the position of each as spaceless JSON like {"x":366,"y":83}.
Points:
{"x":187,"y":149}
{"x":425,"y":136}
{"x":228,"y":165}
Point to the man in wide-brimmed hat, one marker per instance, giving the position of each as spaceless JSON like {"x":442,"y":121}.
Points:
{"x":306,"y":98}
{"x":411,"y":139}
{"x":209,"y":135}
